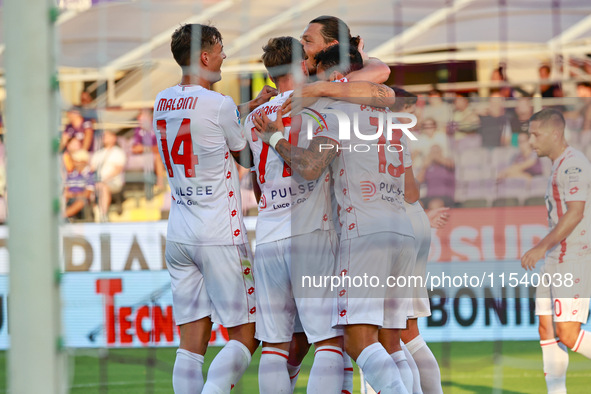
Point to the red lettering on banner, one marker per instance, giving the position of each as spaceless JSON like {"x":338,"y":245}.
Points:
{"x":108,"y":288}
{"x":142,"y":313}
{"x":125,"y":324}
{"x":163,"y":323}
{"x":481,"y":234}
{"x":147,"y":324}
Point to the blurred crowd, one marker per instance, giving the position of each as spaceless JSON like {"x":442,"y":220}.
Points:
{"x":471,"y":152}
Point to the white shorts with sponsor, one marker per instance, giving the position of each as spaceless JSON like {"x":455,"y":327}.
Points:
{"x":281,"y":298}
{"x":422,"y":229}
{"x":214,"y":281}
{"x":379,"y":255}
{"x":566,"y":299}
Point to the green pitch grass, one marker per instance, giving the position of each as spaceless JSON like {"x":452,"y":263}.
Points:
{"x":484,"y":367}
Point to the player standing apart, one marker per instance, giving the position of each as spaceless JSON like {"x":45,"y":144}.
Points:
{"x":566,"y":249}
{"x":207,"y":254}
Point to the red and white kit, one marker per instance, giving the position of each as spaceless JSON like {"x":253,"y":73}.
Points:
{"x":207,"y":251}
{"x":295,"y":237}
{"x":570,"y":181}
{"x":376,"y":235}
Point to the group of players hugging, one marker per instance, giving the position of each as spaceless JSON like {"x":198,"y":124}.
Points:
{"x":330,"y":160}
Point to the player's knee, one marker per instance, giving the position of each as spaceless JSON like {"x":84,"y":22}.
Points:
{"x":567,"y":335}
{"x":545,"y":331}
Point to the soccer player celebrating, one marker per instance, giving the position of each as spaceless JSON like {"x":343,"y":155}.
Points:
{"x":207,"y":252}
{"x":374,"y":228}
{"x":295,"y":236}
{"x":566,"y":249}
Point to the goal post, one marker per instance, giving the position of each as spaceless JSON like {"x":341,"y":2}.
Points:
{"x":36,"y":355}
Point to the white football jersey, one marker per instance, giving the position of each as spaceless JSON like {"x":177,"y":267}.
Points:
{"x":570,"y":181}
{"x":196,"y":130}
{"x":369,"y":175}
{"x":289,"y":205}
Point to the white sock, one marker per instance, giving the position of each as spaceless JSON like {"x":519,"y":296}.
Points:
{"x":555,"y":358}
{"x":405,"y":373}
{"x":347,"y":374}
{"x":380,"y":370}
{"x":326,"y":374}
{"x":294,"y":372}
{"x":187,"y":374}
{"x":227,"y":368}
{"x":273,"y":375}
{"x":416,"y":376}
{"x":427,"y":364}
{"x":583,"y":344}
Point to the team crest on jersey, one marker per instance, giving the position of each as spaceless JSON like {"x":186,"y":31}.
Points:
{"x":368,"y":190}
{"x":572,"y":171}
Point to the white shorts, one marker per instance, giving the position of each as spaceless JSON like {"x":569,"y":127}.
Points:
{"x":279,"y":268}
{"x":214,"y":281}
{"x":376,"y":257}
{"x":569,"y":302}
{"x":422,"y":229}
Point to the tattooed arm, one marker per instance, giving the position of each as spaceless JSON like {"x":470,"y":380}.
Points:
{"x":358,"y":92}
{"x":309,"y":162}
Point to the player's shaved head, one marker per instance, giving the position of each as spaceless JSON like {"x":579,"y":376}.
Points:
{"x":550,"y":119}
{"x":279,"y":53}
{"x":182,"y":44}
{"x":329,"y":60}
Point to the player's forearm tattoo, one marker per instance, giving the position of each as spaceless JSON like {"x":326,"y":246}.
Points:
{"x":382,"y":95}
{"x":309,"y":162}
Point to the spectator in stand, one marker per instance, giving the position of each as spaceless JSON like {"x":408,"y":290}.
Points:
{"x":584,"y":91}
{"x":465,"y":120}
{"x":78,"y":128}
{"x":430,"y":135}
{"x":145,"y":147}
{"x":525,"y":164}
{"x":548,"y":89}
{"x":519,"y":118}
{"x":495,"y":128}
{"x":437,"y":109}
{"x":79,"y":187}
{"x":87,"y":108}
{"x":108,"y":163}
{"x":504,"y":88}
{"x":72,"y":146}
{"x":438,"y":174}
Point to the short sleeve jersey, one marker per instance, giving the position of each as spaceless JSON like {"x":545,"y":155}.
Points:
{"x":570,"y":181}
{"x":80,"y":133}
{"x":289,"y":205}
{"x":196,"y":129}
{"x":369,"y":175}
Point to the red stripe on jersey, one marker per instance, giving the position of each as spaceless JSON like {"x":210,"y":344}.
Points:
{"x":277,"y":353}
{"x":556,"y":195}
{"x":328,"y":350}
{"x":286,"y":121}
{"x":263,"y":163}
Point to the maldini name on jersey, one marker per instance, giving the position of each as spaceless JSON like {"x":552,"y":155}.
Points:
{"x":196,"y":130}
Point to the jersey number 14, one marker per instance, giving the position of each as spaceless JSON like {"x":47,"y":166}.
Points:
{"x":183,"y":137}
